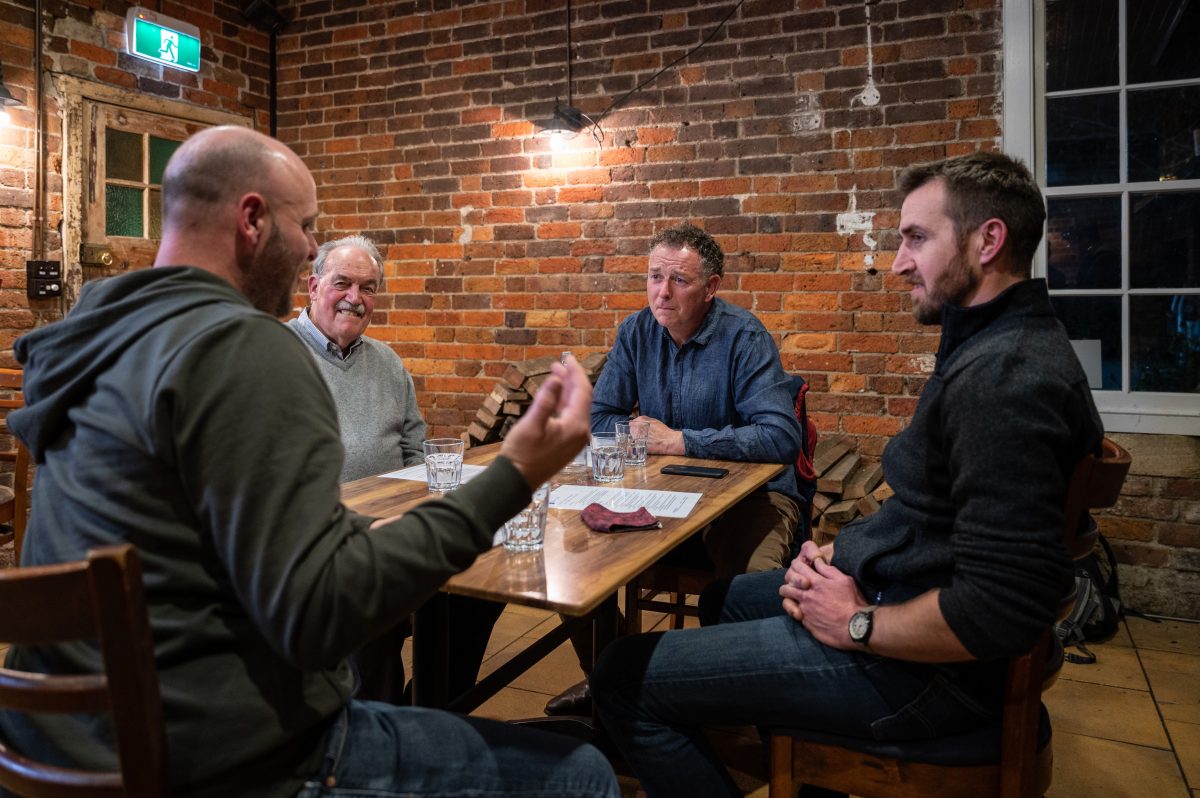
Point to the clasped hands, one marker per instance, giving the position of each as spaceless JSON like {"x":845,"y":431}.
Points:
{"x":821,"y":597}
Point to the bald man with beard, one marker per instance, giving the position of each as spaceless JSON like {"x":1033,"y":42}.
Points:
{"x":173,"y":411}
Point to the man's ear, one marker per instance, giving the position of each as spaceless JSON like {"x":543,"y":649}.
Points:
{"x":710,"y":287}
{"x":252,"y":214}
{"x":313,"y":282}
{"x":993,"y":234}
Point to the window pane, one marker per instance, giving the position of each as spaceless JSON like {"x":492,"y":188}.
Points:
{"x":156,"y":213}
{"x":1081,"y":140}
{"x":122,"y":211}
{"x":1083,"y":238}
{"x":160,"y":152}
{"x":122,"y":155}
{"x":1164,"y":240}
{"x":1081,"y":44}
{"x":1164,"y":133}
{"x":1094,"y":326}
{"x":1162,"y":36}
{"x":1164,"y":343}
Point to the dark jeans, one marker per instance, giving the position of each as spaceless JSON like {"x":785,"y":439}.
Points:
{"x":383,"y":751}
{"x":654,"y":692}
{"x":380,"y":670}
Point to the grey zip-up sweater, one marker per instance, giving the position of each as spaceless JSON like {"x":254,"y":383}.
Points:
{"x":166,"y":412}
{"x":980,"y":477}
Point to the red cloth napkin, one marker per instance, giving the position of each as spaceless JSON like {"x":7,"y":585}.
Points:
{"x":602,"y":519}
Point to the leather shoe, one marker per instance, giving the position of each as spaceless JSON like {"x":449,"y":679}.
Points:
{"x":575,"y":700}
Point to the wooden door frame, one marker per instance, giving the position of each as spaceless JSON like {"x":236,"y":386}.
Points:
{"x":74,"y":96}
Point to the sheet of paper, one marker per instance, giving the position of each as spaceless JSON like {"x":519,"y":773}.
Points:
{"x":417,"y":472}
{"x":664,"y":503}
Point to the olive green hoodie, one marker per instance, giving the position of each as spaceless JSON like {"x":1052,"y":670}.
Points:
{"x":167,"y":412}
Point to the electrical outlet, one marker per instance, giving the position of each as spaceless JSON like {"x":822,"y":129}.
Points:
{"x":43,"y":279}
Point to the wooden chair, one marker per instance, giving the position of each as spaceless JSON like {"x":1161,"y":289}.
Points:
{"x":14,"y":502}
{"x":1011,"y":758}
{"x":99,"y":599}
{"x":679,"y":581}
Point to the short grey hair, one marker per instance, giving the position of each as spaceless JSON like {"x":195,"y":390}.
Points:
{"x":361,"y":243}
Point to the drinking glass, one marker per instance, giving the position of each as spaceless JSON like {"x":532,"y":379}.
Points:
{"x":634,"y":435}
{"x":526,"y":530}
{"x":443,"y":463}
{"x":608,"y":457}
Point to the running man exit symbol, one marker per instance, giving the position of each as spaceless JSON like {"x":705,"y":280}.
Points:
{"x":161,"y":39}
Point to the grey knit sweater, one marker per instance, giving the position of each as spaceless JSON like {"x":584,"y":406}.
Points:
{"x":380,"y":422}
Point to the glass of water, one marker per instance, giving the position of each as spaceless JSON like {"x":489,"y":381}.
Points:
{"x":608,"y":457}
{"x":443,"y":463}
{"x":634,"y":435}
{"x":526,"y":530}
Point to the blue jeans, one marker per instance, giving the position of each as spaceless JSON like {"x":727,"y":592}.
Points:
{"x":654,"y":692}
{"x":380,"y":750}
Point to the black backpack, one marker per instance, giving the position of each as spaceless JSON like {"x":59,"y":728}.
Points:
{"x":1097,"y":613}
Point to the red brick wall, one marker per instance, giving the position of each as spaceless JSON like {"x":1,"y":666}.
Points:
{"x":418,"y":129}
{"x":86,"y":40}
{"x":416,"y":123}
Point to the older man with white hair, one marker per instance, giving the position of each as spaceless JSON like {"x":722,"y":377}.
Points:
{"x":380,"y":422}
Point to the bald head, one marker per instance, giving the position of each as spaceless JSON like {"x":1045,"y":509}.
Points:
{"x":242,"y":206}
{"x":215,"y":167}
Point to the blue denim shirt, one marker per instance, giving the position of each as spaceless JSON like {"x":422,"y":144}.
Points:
{"x":725,"y":388}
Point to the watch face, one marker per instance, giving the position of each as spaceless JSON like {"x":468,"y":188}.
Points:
{"x":860,"y":626}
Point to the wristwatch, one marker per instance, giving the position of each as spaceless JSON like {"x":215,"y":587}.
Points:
{"x":861,"y":624}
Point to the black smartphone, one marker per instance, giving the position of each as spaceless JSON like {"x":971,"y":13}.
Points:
{"x":695,"y":471}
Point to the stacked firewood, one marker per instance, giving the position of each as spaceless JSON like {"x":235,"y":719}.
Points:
{"x":509,"y":398}
{"x":848,"y":486}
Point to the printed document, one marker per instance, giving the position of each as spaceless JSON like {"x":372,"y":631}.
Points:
{"x":663,"y":503}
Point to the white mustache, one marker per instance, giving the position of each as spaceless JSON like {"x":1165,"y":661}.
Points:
{"x":357,"y":310}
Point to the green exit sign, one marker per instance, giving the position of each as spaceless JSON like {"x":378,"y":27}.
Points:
{"x":163,"y":40}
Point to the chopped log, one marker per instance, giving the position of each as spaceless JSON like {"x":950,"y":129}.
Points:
{"x":593,"y":364}
{"x":489,"y":420}
{"x":863,"y":481}
{"x":819,"y":503}
{"x":514,"y":408}
{"x":840,"y":513}
{"x":867,"y":505}
{"x":492,"y":404}
{"x":832,"y":480}
{"x":829,"y":451}
{"x":508,"y":424}
{"x":481,"y":434}
{"x":882,"y":493}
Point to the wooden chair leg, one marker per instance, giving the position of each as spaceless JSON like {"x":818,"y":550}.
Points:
{"x":680,"y":601}
{"x":781,"y":783}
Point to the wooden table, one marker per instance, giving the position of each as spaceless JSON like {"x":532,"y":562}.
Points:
{"x":577,"y":573}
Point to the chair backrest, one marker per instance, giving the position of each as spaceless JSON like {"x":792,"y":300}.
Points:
{"x":14,"y":509}
{"x":99,"y":599}
{"x":1095,"y":483}
{"x":806,"y":476}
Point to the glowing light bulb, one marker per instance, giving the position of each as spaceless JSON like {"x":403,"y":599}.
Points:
{"x":5,"y":119}
{"x":558,"y":141}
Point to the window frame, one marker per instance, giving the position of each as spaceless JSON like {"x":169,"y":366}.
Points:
{"x":1023,"y":135}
